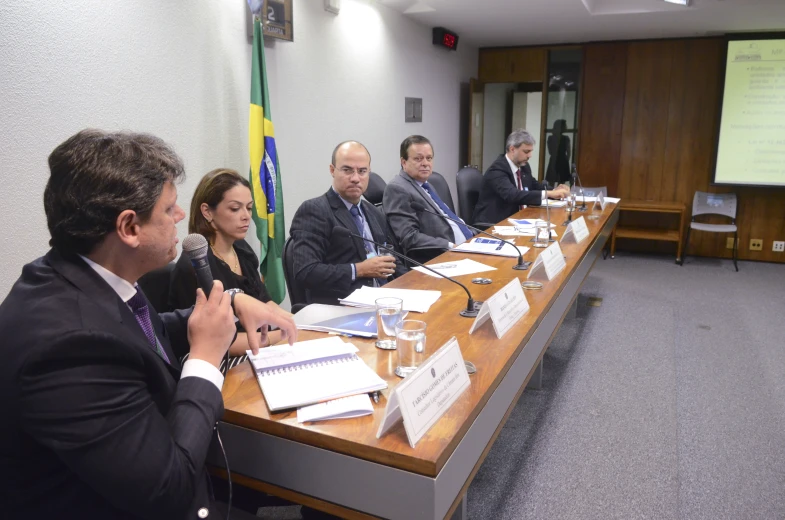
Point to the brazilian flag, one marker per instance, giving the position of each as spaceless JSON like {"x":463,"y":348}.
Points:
{"x":265,"y":175}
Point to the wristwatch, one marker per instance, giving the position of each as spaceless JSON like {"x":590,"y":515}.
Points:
{"x":233,"y":293}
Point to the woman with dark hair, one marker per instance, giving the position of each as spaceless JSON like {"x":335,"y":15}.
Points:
{"x":558,"y":171}
{"x":221,"y":212}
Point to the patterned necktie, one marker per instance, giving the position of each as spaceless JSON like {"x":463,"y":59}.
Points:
{"x":447,"y":211}
{"x":138,"y":305}
{"x":358,"y":221}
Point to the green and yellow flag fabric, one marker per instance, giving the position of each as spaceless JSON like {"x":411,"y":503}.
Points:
{"x":265,"y":175}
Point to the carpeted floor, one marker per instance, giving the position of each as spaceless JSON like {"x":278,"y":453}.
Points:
{"x":666,"y":402}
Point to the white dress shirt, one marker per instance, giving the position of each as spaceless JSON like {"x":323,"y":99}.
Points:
{"x":126,"y":291}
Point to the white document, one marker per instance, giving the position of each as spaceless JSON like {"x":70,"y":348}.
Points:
{"x":427,"y":393}
{"x":504,"y":308}
{"x":507,"y":231}
{"x":343,"y":408}
{"x":579,"y":199}
{"x":489,"y":246}
{"x":548,"y":264}
{"x":576,"y":231}
{"x":453,"y":269}
{"x":414,"y":300}
{"x":337,"y":318}
{"x":556,"y":203}
{"x":526,"y":223}
{"x":279,"y":356}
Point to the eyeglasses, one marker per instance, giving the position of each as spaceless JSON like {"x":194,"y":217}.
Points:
{"x":346,"y":170}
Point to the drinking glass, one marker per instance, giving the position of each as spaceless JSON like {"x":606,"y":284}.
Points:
{"x":388,"y":315}
{"x":410,"y":337}
{"x":542,"y":231}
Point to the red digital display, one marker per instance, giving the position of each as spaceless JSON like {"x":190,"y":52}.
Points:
{"x":445,"y":38}
{"x":449,"y":40}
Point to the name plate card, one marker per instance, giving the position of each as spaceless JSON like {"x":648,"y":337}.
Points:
{"x":600,"y":200}
{"x":427,"y":393}
{"x":548,"y":264}
{"x":576,"y":231}
{"x":504,"y":309}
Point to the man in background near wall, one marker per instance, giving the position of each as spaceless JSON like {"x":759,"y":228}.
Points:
{"x":100,"y":420}
{"x":329,"y":266}
{"x":422,"y":235}
{"x":508,"y":184}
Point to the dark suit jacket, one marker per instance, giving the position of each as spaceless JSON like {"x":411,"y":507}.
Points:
{"x":322,"y":261}
{"x":500,"y":197}
{"x":95,"y":423}
{"x":423,"y":231}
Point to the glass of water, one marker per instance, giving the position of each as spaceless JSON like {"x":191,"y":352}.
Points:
{"x":542,"y":232}
{"x":410,"y":337}
{"x":388,"y":315}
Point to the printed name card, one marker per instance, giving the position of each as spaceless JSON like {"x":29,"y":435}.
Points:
{"x":600,"y":200}
{"x":427,"y":393}
{"x":504,"y":309}
{"x":548,"y":264}
{"x":576,"y":231}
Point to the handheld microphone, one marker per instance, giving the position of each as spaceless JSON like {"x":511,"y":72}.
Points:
{"x":583,"y":196}
{"x":472,"y":307}
{"x":520,"y":266}
{"x":195,"y":247}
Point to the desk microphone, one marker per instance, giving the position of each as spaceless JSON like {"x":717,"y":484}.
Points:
{"x":472,"y":307}
{"x":520,"y":266}
{"x":195,"y":247}
{"x":578,"y":177}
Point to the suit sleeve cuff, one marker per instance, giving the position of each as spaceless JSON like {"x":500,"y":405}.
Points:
{"x":203,"y":369}
{"x":354,"y":272}
{"x":544,"y":194}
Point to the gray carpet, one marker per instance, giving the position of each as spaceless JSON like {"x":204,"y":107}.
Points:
{"x":666,"y":402}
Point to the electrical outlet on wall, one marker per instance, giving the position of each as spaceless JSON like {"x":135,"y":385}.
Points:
{"x":756,"y":244}
{"x":729,"y":242}
{"x":778,"y":247}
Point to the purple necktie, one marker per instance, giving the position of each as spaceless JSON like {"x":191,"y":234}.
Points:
{"x":138,"y":305}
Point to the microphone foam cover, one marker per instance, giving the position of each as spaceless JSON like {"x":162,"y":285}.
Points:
{"x":195,"y":245}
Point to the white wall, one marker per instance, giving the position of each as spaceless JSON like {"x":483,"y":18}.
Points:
{"x":181,"y":70}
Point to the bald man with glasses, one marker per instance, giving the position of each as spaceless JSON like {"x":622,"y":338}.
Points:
{"x":330,"y":266}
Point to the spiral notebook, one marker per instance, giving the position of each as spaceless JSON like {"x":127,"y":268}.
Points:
{"x":310,"y":372}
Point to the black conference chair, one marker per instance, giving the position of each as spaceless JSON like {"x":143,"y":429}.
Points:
{"x":296,"y":294}
{"x":469,"y":183}
{"x":442,"y":188}
{"x":155,"y":285}
{"x":375,"y":190}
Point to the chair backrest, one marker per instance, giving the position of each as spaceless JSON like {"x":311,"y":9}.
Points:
{"x":442,"y":188}
{"x":469,"y":182}
{"x":591,"y":192}
{"x":296,"y":294}
{"x":155,"y":286}
{"x":375,"y":190}
{"x":714,"y":204}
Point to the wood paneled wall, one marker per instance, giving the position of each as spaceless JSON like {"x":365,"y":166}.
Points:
{"x":649,"y":116}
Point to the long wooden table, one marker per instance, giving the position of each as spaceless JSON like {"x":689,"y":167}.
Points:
{"x":341,"y":467}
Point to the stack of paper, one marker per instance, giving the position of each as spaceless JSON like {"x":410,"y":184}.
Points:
{"x":490,"y":246}
{"x":343,"y":408}
{"x":453,"y":269}
{"x":310,"y":372}
{"x":413,"y":300}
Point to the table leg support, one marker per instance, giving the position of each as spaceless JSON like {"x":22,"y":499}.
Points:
{"x":535,"y":382}
{"x":460,"y":511}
